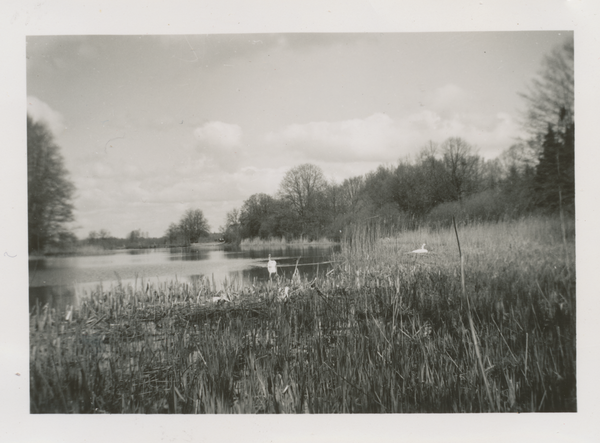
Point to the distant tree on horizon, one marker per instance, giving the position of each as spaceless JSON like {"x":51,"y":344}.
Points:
{"x":462,"y":168}
{"x":231,"y":230}
{"x":254,"y":215}
{"x":193,"y":226}
{"x":173,"y":234}
{"x":303,"y":187}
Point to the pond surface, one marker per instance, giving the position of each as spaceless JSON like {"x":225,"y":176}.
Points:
{"x":65,"y":280}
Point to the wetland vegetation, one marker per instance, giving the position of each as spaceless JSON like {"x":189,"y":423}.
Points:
{"x":384,"y":331}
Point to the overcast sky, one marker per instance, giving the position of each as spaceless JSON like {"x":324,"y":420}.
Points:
{"x":150,"y":126}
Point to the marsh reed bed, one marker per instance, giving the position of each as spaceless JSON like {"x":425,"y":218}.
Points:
{"x":383,"y":332}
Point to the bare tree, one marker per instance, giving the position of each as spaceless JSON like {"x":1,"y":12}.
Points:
{"x":351,"y":192}
{"x":92,"y":236}
{"x":254,"y":213}
{"x":135,"y":235}
{"x":516,"y":159}
{"x":193,"y":225}
{"x":231,"y":230}
{"x":302,"y":186}
{"x":550,"y":97}
{"x":232,"y":219}
{"x":335,"y":203}
{"x":462,"y":168}
{"x":491,"y":174}
{"x":173,"y":233}
{"x":428,"y":152}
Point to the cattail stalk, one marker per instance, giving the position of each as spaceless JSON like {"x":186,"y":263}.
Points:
{"x":473,"y":333}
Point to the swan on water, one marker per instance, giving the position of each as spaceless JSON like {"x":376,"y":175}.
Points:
{"x":271,"y":266}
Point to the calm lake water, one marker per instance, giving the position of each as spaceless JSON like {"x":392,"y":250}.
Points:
{"x":65,"y":280}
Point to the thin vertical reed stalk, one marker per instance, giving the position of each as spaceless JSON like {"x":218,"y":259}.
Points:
{"x":473,"y":333}
{"x":562,"y":218}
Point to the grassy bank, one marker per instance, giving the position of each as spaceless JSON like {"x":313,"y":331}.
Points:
{"x":385,"y":331}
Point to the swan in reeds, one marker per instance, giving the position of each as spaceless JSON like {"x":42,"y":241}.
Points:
{"x":271,"y":266}
{"x":221,"y":298}
{"x":422,"y":250}
{"x":285,"y":293}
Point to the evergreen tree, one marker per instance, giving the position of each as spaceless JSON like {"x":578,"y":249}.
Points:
{"x":555,"y":173}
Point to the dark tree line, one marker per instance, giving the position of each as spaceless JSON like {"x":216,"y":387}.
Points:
{"x":309,"y":206}
{"x":136,"y":239}
{"x":445,"y":181}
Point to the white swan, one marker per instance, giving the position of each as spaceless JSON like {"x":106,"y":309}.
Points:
{"x":222,"y":298}
{"x":271,"y":266}
{"x":420,"y":251}
{"x":286,"y":293}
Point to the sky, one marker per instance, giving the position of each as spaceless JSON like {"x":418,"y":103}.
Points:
{"x":150,"y":126}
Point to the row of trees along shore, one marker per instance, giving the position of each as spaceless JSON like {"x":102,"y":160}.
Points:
{"x":191,"y":228}
{"x":536,"y":174}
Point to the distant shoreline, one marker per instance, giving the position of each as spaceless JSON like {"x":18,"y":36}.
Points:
{"x":206,"y":245}
{"x":257,"y":242}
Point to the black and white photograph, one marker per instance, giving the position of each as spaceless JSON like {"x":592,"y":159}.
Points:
{"x":271,"y":223}
{"x":377,"y":223}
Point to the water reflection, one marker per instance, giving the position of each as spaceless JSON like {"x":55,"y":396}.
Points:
{"x":60,"y":281}
{"x":56,"y":296}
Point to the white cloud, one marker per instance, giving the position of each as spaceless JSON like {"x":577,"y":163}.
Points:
{"x":43,"y":113}
{"x":448,"y":99}
{"x":380,"y":138}
{"x":349,"y":140}
{"x":100,"y":169}
{"x":220,"y":145}
{"x":219,"y":135}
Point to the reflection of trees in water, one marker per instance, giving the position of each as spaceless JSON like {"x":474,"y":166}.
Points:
{"x":309,"y":260}
{"x":307,"y":267}
{"x":37,"y":263}
{"x":192,"y":256}
{"x":139,"y":251}
{"x":55,"y":296}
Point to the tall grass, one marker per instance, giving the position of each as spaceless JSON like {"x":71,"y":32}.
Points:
{"x":385,"y":331}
